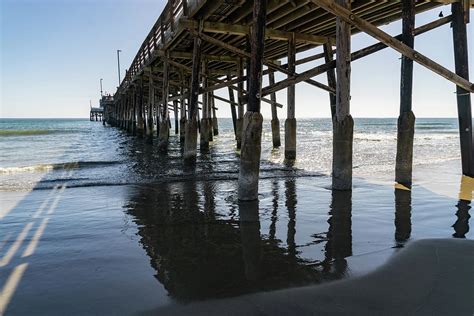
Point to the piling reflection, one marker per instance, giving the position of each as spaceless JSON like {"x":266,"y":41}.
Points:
{"x":402,"y":216}
{"x":200,"y":250}
{"x":290,"y":194}
{"x":461,"y":226}
{"x":339,"y":236}
{"x":274,"y":217}
{"x":251,"y":241}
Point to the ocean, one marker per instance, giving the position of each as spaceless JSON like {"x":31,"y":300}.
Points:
{"x":105,"y":156}
{"x":93,"y":219}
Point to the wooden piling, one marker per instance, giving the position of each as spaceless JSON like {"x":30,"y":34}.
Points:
{"x":253,"y":120}
{"x":343,"y":124}
{"x":191,"y":125}
{"x":460,"y":16}
{"x":406,"y":120}
{"x":150,"y":105}
{"x":182,"y":121}
{"x":215,"y":123}
{"x":176,"y":117}
{"x":290,"y":122}
{"x":275,"y":121}
{"x":233,"y":111}
{"x":240,"y":112}
{"x":331,"y":76}
{"x":164,"y":125}
{"x":206,"y":128}
{"x":140,"y":112}
{"x":134,"y":112}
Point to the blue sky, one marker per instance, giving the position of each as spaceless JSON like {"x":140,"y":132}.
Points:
{"x":53,"y":53}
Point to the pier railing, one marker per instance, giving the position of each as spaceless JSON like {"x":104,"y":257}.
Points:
{"x":162,"y":30}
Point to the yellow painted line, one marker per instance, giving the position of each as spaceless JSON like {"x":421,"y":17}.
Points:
{"x":10,"y":286}
{"x":401,"y":187}
{"x":16,"y":245}
{"x":467,"y":186}
{"x":36,"y":238}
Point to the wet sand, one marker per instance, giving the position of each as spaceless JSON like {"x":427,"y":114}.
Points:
{"x":135,"y":248}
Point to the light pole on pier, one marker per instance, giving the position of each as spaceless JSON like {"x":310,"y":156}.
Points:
{"x":101,"y":94}
{"x":118,"y":64}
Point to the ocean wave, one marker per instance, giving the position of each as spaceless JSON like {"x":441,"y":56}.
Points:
{"x":57,"y":166}
{"x":24,"y":132}
{"x":35,"y":132}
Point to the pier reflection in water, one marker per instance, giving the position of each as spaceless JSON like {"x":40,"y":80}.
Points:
{"x":461,"y":226}
{"x":204,"y":243}
{"x":202,"y":252}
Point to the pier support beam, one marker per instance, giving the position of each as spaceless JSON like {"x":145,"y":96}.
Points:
{"x":343,"y":124}
{"x":331,"y":76}
{"x":133,"y":113}
{"x":206,"y":127}
{"x":232,"y":106}
{"x":176,"y":117}
{"x":151,"y":104}
{"x":240,"y":99}
{"x":290,"y":123}
{"x":182,"y":120}
{"x":253,"y":120}
{"x":164,"y":124}
{"x":215,"y":123}
{"x":460,"y":17}
{"x":190,"y":142}
{"x":275,"y":121}
{"x":406,"y":120}
{"x":140,"y":112}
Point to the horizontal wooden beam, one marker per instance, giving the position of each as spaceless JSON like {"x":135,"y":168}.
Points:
{"x":189,"y":55}
{"x":244,"y":30}
{"x":354,"y":56}
{"x":390,"y":41}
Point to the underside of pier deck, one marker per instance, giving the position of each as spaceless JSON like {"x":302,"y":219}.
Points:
{"x":199,"y":46}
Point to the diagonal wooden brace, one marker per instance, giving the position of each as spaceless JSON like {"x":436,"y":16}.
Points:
{"x":390,"y":41}
{"x":245,"y":54}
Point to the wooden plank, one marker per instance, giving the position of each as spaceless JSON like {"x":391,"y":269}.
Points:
{"x":244,"y":30}
{"x":390,"y":41}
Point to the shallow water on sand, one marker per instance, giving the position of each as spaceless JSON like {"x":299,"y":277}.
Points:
{"x":116,"y":227}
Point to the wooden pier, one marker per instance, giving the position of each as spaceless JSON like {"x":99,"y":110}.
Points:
{"x":197,"y":47}
{"x":96,"y":114}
